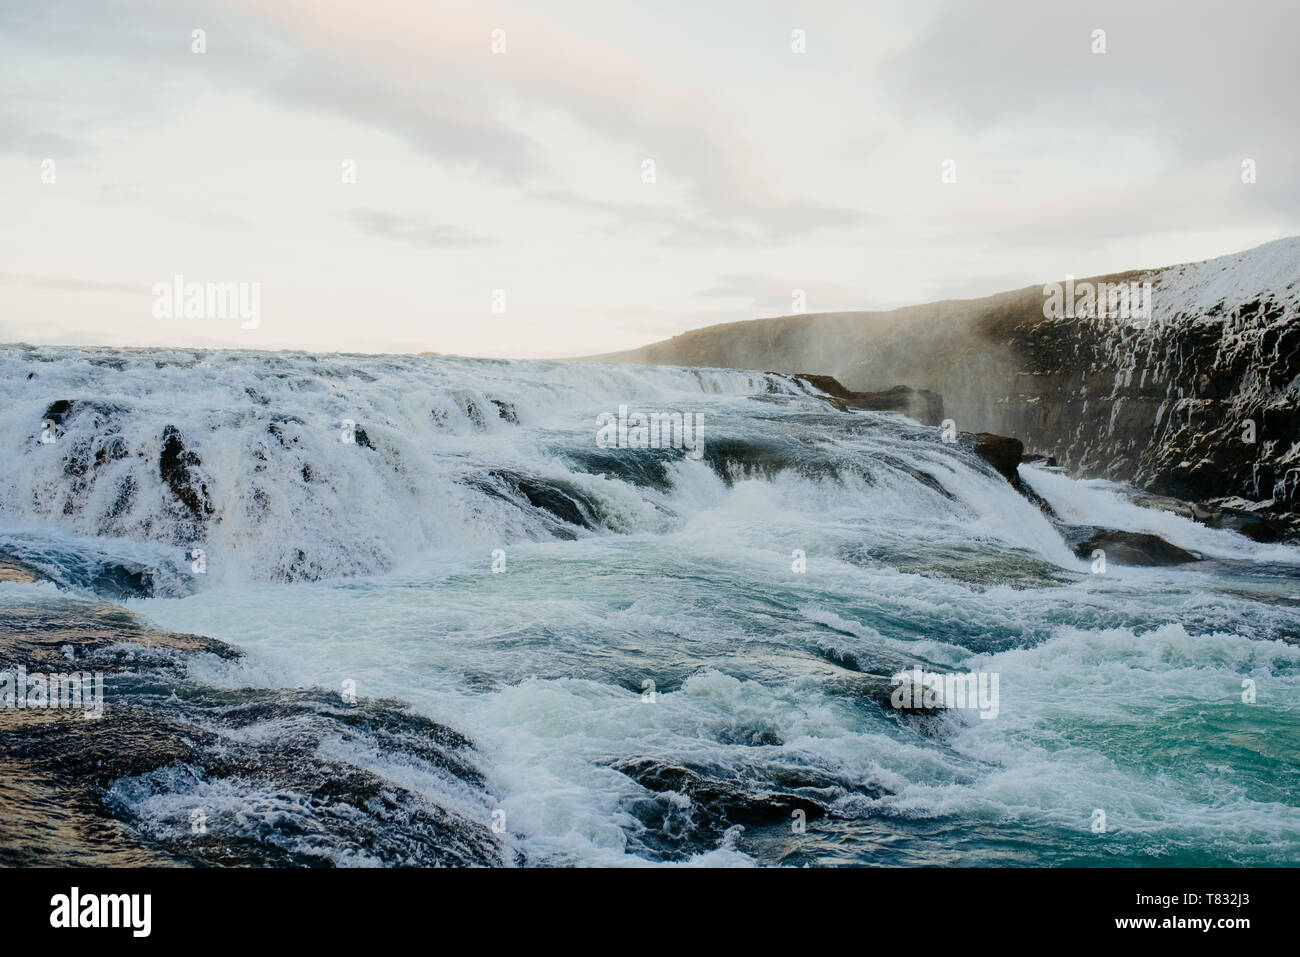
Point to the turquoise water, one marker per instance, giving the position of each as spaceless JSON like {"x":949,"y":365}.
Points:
{"x":681,"y":628}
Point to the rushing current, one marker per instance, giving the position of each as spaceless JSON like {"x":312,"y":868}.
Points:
{"x":654,"y":652}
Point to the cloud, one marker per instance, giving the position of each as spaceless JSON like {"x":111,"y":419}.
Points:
{"x":417,"y":231}
{"x":27,"y":131}
{"x":1191,"y":77}
{"x":59,"y":284}
{"x":427,"y":75}
{"x":428,"y":119}
{"x":681,"y":226}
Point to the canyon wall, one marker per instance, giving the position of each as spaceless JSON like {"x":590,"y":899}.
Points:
{"x":1199,"y":400}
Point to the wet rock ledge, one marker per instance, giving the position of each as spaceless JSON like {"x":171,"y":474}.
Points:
{"x":181,"y":773}
{"x":924,"y":406}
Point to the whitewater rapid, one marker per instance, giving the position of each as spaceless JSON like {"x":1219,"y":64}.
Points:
{"x":466,"y":545}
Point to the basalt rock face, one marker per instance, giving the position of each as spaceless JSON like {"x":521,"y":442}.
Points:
{"x":1199,"y":400}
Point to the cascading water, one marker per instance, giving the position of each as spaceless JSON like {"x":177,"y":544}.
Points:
{"x":662,"y":657}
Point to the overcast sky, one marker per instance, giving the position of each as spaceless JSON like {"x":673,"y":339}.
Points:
{"x":523,"y":170}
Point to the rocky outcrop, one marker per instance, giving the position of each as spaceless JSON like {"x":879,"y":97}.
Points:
{"x":506,"y":410}
{"x":684,"y":810}
{"x":1005,"y":454}
{"x":179,"y":468}
{"x":919,"y":404}
{"x":14,"y":571}
{"x":1125,"y":548}
{"x":1259,"y":521}
{"x":566,"y":505}
{"x":1000,"y":451}
{"x":86,"y":435}
{"x":149,"y":782}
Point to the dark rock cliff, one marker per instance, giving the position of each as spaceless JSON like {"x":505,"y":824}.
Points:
{"x":1200,"y":407}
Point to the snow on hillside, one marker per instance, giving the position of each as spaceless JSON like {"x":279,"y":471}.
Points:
{"x":1193,"y":290}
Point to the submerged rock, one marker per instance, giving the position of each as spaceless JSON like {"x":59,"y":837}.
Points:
{"x":733,"y":458}
{"x":1125,"y":548}
{"x":565,"y":506}
{"x":643,"y":467}
{"x":727,"y":801}
{"x":689,"y":809}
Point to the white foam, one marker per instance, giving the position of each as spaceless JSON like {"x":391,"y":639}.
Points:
{"x":1103,"y":503}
